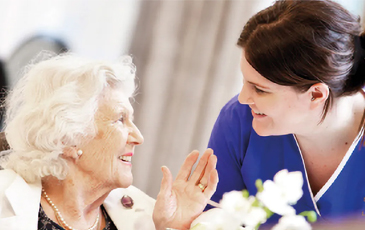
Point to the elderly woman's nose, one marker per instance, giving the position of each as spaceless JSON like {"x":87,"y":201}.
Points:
{"x":135,"y":136}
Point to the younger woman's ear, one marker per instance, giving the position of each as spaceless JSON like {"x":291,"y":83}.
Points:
{"x":318,"y":93}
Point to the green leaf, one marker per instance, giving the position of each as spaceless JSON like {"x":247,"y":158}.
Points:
{"x":245,"y":193}
{"x":259,"y":185}
{"x":256,"y":203}
{"x":269,"y":213}
{"x":311,"y":215}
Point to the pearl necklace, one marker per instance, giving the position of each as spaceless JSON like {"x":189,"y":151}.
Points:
{"x":60,"y":219}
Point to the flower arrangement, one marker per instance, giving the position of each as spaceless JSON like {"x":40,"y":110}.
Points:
{"x":238,"y":208}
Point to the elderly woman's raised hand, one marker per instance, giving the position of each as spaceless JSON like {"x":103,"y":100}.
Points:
{"x":181,"y":201}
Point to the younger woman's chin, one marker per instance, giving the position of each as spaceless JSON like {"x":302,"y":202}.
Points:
{"x":268,"y":132}
{"x":262,"y":131}
{"x":265,"y":132}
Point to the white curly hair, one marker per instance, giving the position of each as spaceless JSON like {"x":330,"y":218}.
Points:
{"x":53,"y":107}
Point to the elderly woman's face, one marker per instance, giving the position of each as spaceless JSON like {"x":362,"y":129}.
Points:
{"x":108,"y":156}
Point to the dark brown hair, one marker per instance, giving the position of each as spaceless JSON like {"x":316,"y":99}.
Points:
{"x":301,"y":42}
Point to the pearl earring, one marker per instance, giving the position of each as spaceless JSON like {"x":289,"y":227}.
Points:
{"x":79,"y":152}
{"x":313,"y":99}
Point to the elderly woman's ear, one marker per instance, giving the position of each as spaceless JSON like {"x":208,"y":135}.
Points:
{"x":72,"y":153}
{"x":3,"y":143}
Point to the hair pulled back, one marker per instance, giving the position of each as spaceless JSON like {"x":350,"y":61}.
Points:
{"x":299,"y":43}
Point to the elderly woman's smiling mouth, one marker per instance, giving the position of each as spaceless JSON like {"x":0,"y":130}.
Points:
{"x":126,"y":158}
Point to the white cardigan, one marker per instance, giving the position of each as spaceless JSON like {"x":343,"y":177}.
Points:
{"x":19,"y":205}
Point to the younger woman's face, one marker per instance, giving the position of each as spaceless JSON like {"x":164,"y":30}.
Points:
{"x":276,"y":109}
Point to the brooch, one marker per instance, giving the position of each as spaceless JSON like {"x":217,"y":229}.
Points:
{"x":127,"y":201}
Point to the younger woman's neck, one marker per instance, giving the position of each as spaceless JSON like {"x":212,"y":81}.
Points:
{"x":340,"y":127}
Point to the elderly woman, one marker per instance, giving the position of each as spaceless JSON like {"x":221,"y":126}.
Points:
{"x":71,"y":134}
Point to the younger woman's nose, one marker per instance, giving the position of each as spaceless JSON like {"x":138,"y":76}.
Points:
{"x":245,"y":96}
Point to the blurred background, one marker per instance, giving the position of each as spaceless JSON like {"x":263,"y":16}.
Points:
{"x":185,"y":51}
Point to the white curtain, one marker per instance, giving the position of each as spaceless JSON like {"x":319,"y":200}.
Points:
{"x":188,"y":68}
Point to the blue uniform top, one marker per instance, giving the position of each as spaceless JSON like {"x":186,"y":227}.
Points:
{"x":243,"y":156}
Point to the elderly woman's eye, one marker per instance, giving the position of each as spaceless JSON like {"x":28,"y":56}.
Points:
{"x":121,"y":119}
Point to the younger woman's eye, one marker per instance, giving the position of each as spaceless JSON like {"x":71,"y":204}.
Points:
{"x":259,"y":90}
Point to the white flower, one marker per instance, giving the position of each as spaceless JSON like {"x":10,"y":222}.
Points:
{"x":216,"y":219}
{"x":291,"y":183}
{"x":292,"y":222}
{"x":254,"y":217}
{"x":235,"y":202}
{"x":241,"y":207}
{"x":237,"y":209}
{"x":285,"y":190}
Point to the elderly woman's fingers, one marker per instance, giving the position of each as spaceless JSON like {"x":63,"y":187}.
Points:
{"x":187,"y":166}
{"x":166,"y":183}
{"x":212,"y":163}
{"x":200,"y":168}
{"x":212,"y":184}
{"x":165,"y":206}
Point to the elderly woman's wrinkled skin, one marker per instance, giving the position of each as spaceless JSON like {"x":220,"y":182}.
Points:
{"x":100,"y":170}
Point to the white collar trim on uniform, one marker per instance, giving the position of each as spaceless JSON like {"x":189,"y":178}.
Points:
{"x":334,"y":176}
{"x":339,"y":167}
{"x":306,"y":176}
